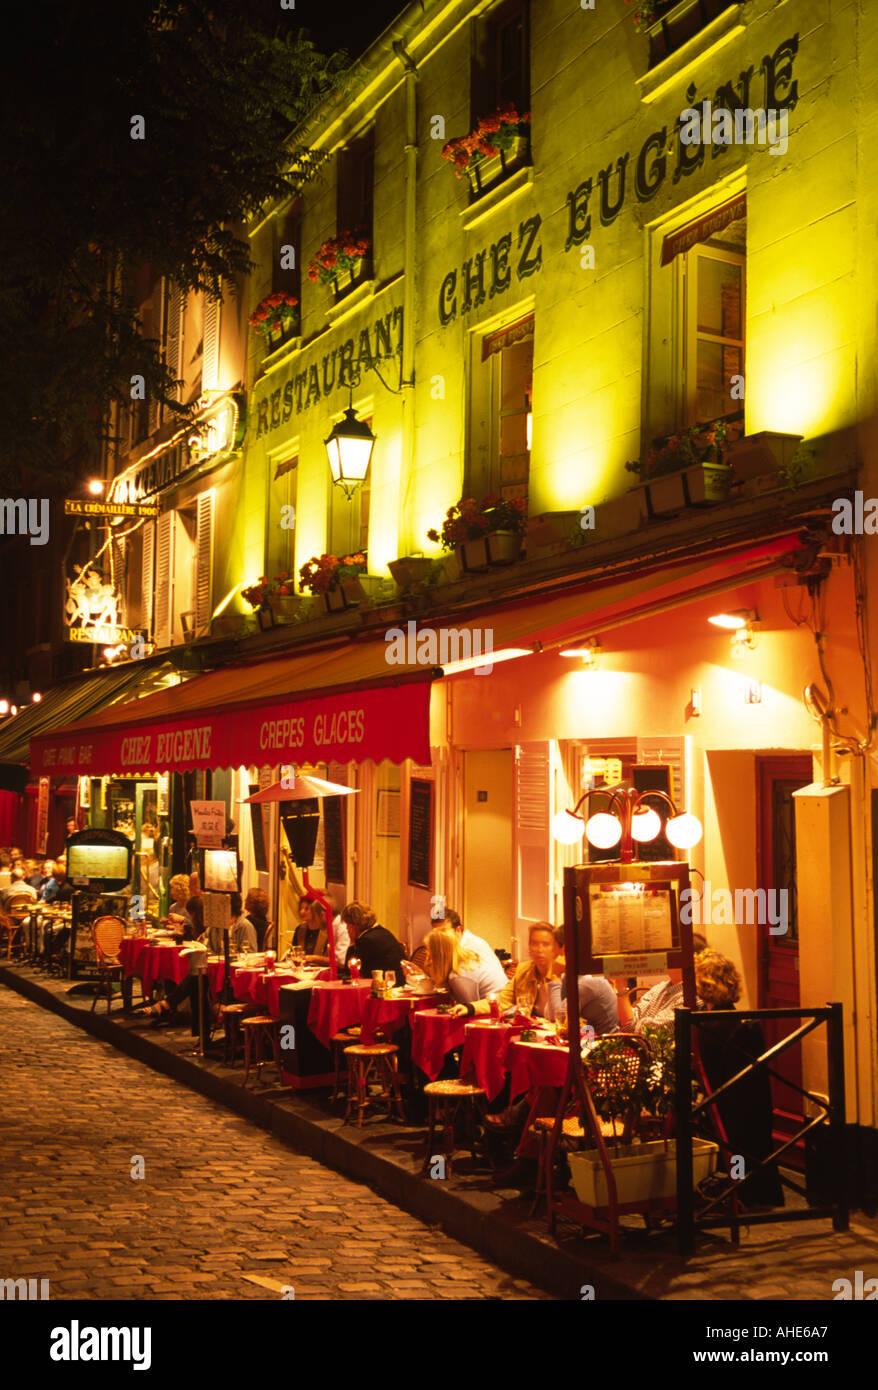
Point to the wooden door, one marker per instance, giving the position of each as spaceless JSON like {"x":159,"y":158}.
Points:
{"x":777,"y":778}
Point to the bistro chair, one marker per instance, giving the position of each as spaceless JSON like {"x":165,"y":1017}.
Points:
{"x":231,"y":1015}
{"x":20,"y":907}
{"x":257,"y":1030}
{"x":339,"y":1042}
{"x":447,"y":1099}
{"x":368,"y":1065}
{"x":108,"y":934}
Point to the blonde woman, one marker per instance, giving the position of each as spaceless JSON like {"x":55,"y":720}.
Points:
{"x":178,"y":919}
{"x":451,"y":966}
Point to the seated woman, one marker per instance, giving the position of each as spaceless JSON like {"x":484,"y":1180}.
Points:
{"x":747,"y":1111}
{"x":312,"y":936}
{"x":256,"y":908}
{"x":452,"y":967}
{"x":188,"y":987}
{"x":179,"y":919}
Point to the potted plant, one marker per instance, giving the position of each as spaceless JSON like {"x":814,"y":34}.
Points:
{"x":644,"y":1170}
{"x":275,"y":317}
{"x":686,"y":469}
{"x":340,"y":261}
{"x":272,"y":599}
{"x":646,"y":12}
{"x":483,"y":533}
{"x":499,"y":143}
{"x":336,"y":580}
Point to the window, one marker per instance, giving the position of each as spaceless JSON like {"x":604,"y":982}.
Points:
{"x":501,"y":411}
{"x":713,"y":291}
{"x":356,"y":179}
{"x":285,"y":264}
{"x":280,"y":545}
{"x":501,"y":68}
{"x":676,"y":24}
{"x":183,"y":571}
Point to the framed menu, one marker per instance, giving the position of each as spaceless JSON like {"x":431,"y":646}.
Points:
{"x":631,"y":918}
{"x":333,"y":835}
{"x":420,"y":847}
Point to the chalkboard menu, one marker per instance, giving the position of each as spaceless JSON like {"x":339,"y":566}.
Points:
{"x":257,"y":824}
{"x":421,"y":834}
{"x":333,"y":839}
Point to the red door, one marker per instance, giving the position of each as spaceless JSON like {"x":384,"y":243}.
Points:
{"x":777,"y":778}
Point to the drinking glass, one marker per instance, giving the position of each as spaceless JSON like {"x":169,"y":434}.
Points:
{"x":526,"y":1000}
{"x":561,"y":1022}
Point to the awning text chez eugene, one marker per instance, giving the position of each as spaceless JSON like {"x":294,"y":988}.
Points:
{"x":391,"y":722}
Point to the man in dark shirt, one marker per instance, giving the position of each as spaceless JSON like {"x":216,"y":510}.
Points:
{"x":374,"y":946}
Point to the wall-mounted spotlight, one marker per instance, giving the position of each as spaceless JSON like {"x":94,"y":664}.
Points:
{"x":740,"y":622}
{"x":589,"y":652}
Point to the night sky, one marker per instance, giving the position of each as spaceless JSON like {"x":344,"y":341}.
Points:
{"x":346,"y":24}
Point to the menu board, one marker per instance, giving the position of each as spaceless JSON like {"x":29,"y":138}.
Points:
{"x":97,"y":861}
{"x":333,"y":833}
{"x":209,"y":823}
{"x":221,"y":870}
{"x":257,"y":826}
{"x":217,"y":910}
{"x":421,"y":834}
{"x":631,"y":918}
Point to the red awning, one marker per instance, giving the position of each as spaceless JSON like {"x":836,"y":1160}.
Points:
{"x":326,"y":706}
{"x":703,"y":229}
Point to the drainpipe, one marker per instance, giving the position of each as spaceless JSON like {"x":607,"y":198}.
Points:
{"x":407,"y":365}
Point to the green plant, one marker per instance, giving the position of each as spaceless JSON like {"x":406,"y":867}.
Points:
{"x":801,"y":468}
{"x":324,"y":572}
{"x":683,"y":450}
{"x":257,"y":594}
{"x":494,"y":133}
{"x":342,"y":252}
{"x":275,"y":311}
{"x":469,"y":520}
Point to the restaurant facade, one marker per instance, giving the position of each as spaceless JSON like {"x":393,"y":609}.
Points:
{"x":664,"y":345}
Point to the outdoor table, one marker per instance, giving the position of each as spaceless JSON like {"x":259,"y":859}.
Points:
{"x":534,"y":1065}
{"x":336,"y":1005}
{"x":140,"y":956}
{"x":434,"y":1035}
{"x":392,"y":1014}
{"x":485,"y":1054}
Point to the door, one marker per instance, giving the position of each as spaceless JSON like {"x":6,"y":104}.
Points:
{"x":777,"y":778}
{"x":487,"y":900}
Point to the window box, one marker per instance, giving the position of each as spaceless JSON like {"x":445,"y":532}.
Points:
{"x":473,"y":556}
{"x":486,"y":174}
{"x":284,"y":607}
{"x":758,"y":454}
{"x":641,"y":1171}
{"x":409,"y":570}
{"x":699,"y":485}
{"x":503,"y":547}
{"x":349,"y":278}
{"x":336,"y":600}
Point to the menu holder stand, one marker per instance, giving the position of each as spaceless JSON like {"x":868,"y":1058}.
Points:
{"x":671,"y":878}
{"x":227,"y":974}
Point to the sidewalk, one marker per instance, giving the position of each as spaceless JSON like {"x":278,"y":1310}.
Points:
{"x":796,"y":1261}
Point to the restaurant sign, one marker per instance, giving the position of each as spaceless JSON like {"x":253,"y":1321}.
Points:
{"x":385,"y":722}
{"x":77,"y":506}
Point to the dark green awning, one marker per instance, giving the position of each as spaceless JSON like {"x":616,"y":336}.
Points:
{"x":64,"y":704}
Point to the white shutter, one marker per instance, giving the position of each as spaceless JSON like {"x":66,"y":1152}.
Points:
{"x":146,"y":576}
{"x":203,"y":559}
{"x":164,"y":579}
{"x":210,"y":359}
{"x":532,"y":848}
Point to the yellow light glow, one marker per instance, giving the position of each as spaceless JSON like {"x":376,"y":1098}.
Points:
{"x":95,"y":487}
{"x":684,"y":830}
{"x":740,"y":617}
{"x":645,"y":825}
{"x":471,"y":663}
{"x":36,"y":697}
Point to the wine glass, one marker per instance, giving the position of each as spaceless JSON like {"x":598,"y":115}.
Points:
{"x":526,"y":1001}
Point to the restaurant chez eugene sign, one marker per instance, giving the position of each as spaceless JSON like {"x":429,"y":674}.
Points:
{"x":489,"y":272}
{"x":387,"y":722}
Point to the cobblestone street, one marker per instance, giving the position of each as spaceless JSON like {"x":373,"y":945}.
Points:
{"x":222,"y":1211}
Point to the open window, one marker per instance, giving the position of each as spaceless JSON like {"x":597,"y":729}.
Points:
{"x":501,"y":411}
{"x":676,"y":23}
{"x":355,"y":196}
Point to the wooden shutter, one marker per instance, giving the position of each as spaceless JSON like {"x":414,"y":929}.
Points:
{"x":532,"y":849}
{"x":173,"y":331}
{"x":164,"y":579}
{"x":210,"y":359}
{"x":147,"y":576}
{"x":203,"y":559}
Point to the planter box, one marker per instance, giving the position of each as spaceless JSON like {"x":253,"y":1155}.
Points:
{"x":701,"y":485}
{"x":485,"y":174}
{"x":550,"y":529}
{"x":410,"y":569}
{"x":284,"y":606}
{"x":346,"y":280}
{"x":503,"y":547}
{"x":231,"y":625}
{"x":473,"y":556}
{"x":334,"y":600}
{"x":758,"y":454}
{"x":619,"y":516}
{"x":642,"y":1171}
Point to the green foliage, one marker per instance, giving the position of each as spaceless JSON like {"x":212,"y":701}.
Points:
{"x":222,"y":91}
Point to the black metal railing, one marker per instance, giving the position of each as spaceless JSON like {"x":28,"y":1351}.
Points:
{"x":831,"y":1110}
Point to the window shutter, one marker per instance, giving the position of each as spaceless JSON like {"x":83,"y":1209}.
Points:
{"x":146,"y":576}
{"x":210,"y":359}
{"x":173,"y":331}
{"x":532,"y":848}
{"x":203,"y":559}
{"x":164,"y":579}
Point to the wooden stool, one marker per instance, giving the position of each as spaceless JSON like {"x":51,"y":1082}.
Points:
{"x":231,"y":1017}
{"x":256,"y":1030}
{"x":446,"y":1099}
{"x":378,"y":1060}
{"x":338,"y":1043}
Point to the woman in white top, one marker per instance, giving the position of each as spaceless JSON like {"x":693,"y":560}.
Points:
{"x":450,"y":966}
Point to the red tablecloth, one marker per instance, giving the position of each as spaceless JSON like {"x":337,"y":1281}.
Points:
{"x":434,"y":1035}
{"x":392,"y":1014}
{"x":535,"y":1064}
{"x":334,"y":1006}
{"x":484,"y":1055}
{"x":150,"y":962}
